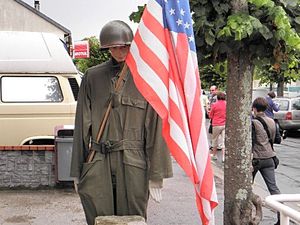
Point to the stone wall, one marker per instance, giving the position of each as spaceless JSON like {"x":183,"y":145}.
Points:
{"x":27,"y":167}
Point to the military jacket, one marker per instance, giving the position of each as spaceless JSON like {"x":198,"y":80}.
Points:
{"x":136,"y":153}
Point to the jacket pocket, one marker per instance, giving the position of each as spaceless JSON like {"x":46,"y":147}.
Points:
{"x":91,"y":178}
{"x":134,"y":102}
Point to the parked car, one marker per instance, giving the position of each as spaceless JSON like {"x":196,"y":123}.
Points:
{"x":288,"y":116}
{"x":38,"y":87}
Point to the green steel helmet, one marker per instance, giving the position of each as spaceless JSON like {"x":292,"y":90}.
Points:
{"x":115,"y":33}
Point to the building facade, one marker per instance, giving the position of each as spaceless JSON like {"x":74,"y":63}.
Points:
{"x":16,"y":15}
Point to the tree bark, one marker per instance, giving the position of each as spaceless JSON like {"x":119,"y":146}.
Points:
{"x":280,"y":85}
{"x":237,"y":169}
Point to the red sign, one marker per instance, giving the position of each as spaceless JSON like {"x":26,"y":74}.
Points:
{"x":81,"y":50}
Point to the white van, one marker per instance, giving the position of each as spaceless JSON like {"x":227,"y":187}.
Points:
{"x":38,"y":87}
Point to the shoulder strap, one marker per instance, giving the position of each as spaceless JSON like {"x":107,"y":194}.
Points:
{"x":266,"y":129}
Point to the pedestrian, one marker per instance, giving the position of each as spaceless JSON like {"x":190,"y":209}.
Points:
{"x":130,"y":158}
{"x":263,"y":136}
{"x":272,"y":106}
{"x":212,"y":98}
{"x":218,"y":116}
{"x":213,"y":94}
{"x":205,"y":103}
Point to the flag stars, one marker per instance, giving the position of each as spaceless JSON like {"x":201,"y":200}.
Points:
{"x":191,"y":38}
{"x":172,"y":12}
{"x":179,"y":22}
{"x":187,"y":25}
{"x":182,"y":12}
{"x":166,"y":1}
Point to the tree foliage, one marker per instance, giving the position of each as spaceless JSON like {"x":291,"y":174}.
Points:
{"x":214,"y":75}
{"x":262,"y":28}
{"x":96,"y":55}
{"x":244,"y":33}
{"x":268,"y":28}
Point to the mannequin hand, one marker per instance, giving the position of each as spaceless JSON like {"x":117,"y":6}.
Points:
{"x":155,"y":190}
{"x":76,"y":181}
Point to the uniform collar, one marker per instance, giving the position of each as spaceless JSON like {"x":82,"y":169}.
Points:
{"x":116,"y":69}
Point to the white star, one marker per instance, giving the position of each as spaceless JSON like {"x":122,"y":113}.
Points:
{"x":172,"y":12}
{"x":178,"y":1}
{"x":187,"y":25}
{"x":179,"y":22}
{"x":191,"y":38}
{"x":182,"y":12}
{"x":166,"y":1}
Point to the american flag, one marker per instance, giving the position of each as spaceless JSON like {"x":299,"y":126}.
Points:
{"x":164,"y":66}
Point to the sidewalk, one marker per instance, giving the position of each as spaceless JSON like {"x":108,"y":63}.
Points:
{"x":269,"y":216}
{"x":61,"y":206}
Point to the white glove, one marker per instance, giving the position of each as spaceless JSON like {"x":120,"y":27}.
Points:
{"x":76,"y":181}
{"x":155,"y":190}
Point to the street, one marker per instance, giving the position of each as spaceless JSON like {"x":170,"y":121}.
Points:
{"x":287,"y":174}
{"x":61,"y":206}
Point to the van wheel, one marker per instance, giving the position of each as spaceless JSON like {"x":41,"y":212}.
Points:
{"x":40,"y":142}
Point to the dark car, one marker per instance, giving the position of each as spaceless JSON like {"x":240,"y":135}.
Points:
{"x":288,"y":116}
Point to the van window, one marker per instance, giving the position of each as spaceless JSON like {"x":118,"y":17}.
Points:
{"x":30,"y":89}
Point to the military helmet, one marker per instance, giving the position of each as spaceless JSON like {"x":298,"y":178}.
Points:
{"x":115,"y":33}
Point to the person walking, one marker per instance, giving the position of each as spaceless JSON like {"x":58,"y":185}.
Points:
{"x":218,"y":116}
{"x":263,"y":136}
{"x":117,"y":169}
{"x":272,"y":106}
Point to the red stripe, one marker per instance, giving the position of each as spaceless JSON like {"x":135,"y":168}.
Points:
{"x":182,"y":50}
{"x":195,"y":120}
{"x":205,"y":188}
{"x":205,"y":221}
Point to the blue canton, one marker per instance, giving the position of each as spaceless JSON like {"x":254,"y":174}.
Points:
{"x":177,"y":18}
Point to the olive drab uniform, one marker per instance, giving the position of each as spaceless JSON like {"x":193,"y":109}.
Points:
{"x":131,"y":151}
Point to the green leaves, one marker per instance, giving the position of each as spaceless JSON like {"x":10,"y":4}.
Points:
{"x":283,"y":28}
{"x":262,"y":3}
{"x":209,"y":37}
{"x":136,"y":16}
{"x":96,"y":56}
{"x":242,"y":26}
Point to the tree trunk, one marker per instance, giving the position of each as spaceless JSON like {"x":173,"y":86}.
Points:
{"x":237,"y":169}
{"x":280,"y":85}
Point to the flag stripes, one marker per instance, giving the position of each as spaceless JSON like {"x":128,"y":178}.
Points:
{"x":165,"y":69}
